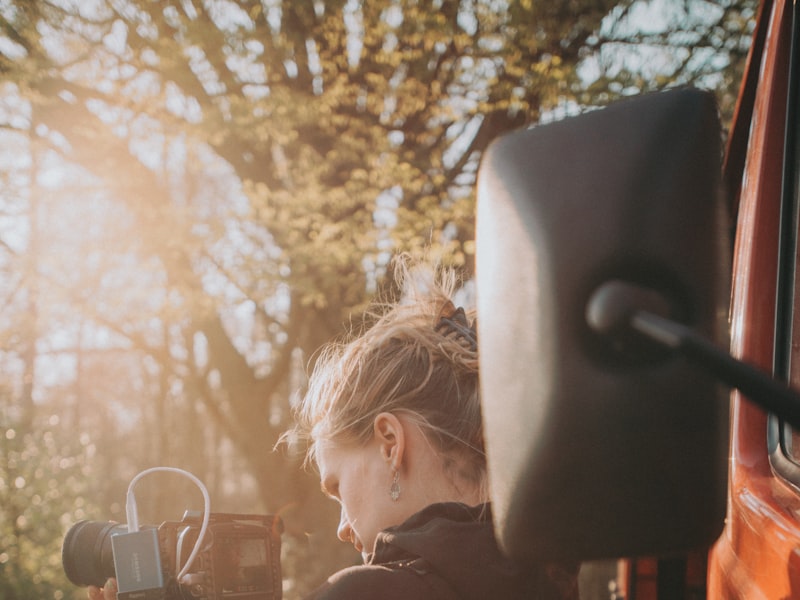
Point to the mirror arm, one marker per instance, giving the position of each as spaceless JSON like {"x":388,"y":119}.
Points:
{"x":617,"y":306}
{"x":758,"y":386}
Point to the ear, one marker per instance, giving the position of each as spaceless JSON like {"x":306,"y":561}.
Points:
{"x":390,"y":437}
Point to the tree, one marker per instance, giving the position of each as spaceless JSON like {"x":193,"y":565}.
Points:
{"x":234,"y":177}
{"x":646,"y":46}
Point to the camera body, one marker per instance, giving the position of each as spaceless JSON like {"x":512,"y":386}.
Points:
{"x":239,"y":558}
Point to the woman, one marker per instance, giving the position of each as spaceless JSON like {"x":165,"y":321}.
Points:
{"x":392,"y":420}
{"x":394,"y":424}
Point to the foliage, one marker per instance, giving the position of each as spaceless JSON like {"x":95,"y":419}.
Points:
{"x":44,"y":482}
{"x":682,"y":43}
{"x":198,"y":193}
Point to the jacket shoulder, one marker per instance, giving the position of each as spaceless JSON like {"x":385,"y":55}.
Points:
{"x":377,"y":582}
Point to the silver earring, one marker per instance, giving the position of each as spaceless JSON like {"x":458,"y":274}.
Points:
{"x":394,"y":491}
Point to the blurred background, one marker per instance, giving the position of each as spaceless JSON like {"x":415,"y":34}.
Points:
{"x":196,"y":194}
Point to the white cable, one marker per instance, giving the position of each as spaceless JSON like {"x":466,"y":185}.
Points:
{"x":133,"y":517}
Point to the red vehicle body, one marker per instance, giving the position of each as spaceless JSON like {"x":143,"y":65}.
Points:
{"x":607,"y":227}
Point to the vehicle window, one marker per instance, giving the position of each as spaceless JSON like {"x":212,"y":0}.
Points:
{"x":784,"y":440}
{"x":791,"y":443}
{"x":787,"y":438}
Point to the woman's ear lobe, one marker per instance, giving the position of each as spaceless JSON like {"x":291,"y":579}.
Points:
{"x":390,"y":436}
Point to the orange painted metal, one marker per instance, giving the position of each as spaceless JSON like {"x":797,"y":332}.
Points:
{"x":758,"y":554}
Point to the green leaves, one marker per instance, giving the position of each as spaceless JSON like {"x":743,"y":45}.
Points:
{"x":44,"y":486}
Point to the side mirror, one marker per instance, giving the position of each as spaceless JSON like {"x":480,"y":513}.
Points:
{"x":601,"y":447}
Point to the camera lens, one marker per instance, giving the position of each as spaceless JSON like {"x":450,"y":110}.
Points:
{"x":86,"y":553}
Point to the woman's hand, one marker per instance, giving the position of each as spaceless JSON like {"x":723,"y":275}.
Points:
{"x":107,"y":592}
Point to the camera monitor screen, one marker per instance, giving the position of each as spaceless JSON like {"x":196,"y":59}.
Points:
{"x":241,"y":564}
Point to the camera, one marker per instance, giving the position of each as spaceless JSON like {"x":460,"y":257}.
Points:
{"x":238,"y":557}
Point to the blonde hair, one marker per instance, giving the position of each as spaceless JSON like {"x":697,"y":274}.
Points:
{"x":404,"y":363}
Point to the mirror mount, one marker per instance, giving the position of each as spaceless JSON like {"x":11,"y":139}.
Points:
{"x":619,"y":309}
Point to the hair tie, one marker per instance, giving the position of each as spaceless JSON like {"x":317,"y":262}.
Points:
{"x":453,"y":324}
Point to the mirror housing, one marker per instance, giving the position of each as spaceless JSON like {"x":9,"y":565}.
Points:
{"x":599,"y":447}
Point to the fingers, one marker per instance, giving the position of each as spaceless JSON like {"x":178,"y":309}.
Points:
{"x":108,"y":592}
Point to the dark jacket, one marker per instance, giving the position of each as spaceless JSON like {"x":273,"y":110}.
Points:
{"x":446,"y":552}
